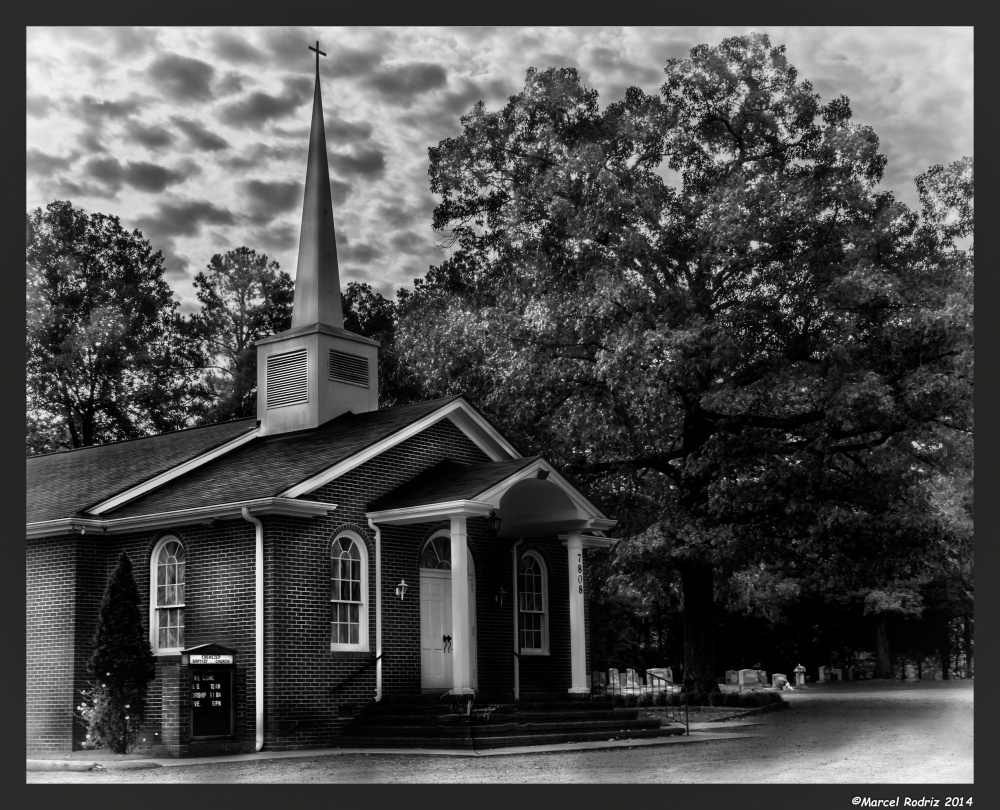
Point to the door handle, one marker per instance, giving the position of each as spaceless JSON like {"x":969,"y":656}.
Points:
{"x":447,"y":643}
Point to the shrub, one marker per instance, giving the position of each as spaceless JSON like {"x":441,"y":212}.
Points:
{"x":122,"y":664}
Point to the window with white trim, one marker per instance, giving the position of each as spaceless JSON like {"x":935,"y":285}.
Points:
{"x":533,"y":604}
{"x":348,"y":593}
{"x":166,"y":608}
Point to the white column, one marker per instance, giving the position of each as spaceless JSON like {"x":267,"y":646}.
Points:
{"x":577,"y":626}
{"x":461,"y":644}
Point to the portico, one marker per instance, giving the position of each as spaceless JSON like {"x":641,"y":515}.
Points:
{"x":531,"y":500}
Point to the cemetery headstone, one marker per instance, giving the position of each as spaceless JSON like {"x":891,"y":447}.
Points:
{"x":732,"y":677}
{"x":824,"y":675}
{"x":748,"y":677}
{"x":778,"y":680}
{"x":800,"y":675}
{"x":614,"y":679}
{"x":660,"y":677}
{"x":632,"y":680}
{"x":911,"y":672}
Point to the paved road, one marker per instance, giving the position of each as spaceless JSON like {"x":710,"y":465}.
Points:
{"x":862,"y":732}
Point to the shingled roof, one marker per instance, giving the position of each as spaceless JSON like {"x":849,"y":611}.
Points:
{"x":267,"y":466}
{"x":449,"y":481}
{"x":64,"y":484}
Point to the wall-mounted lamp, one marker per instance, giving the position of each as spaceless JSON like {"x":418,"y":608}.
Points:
{"x":401,"y":588}
{"x":499,"y":597}
{"x":493,"y":521}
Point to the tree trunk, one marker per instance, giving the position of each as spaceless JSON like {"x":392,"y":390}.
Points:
{"x":699,"y":629}
{"x":967,"y":643}
{"x":883,"y":658}
{"x":945,"y":648}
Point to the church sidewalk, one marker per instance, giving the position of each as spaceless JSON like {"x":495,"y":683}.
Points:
{"x":711,"y":733}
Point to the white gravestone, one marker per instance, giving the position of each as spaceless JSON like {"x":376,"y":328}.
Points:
{"x":824,"y":674}
{"x":748,"y":677}
{"x":911,"y":673}
{"x":632,"y":681}
{"x":614,"y":679}
{"x":660,"y":677}
{"x":778,"y":680}
{"x":732,"y":677}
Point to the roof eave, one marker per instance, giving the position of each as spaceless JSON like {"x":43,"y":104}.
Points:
{"x":426,"y":513}
{"x":201,"y":514}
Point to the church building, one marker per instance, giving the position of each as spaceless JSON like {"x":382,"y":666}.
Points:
{"x":320,"y":558}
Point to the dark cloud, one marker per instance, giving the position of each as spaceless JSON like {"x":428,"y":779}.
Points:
{"x":184,"y":218}
{"x":290,"y":44}
{"x":365,"y":162}
{"x":182,"y":78}
{"x":38,"y":106}
{"x":360,"y":252}
{"x":340,"y":131}
{"x":397,"y":215}
{"x":401,"y":83}
{"x":231,"y":84}
{"x":152,"y":137}
{"x":132,"y":41}
{"x":492,"y":93}
{"x":339,"y":192}
{"x":263,"y":153}
{"x":278,"y":237}
{"x":259,"y":107}
{"x":267,"y":200}
{"x":90,"y":141}
{"x":139,"y":174}
{"x":198,"y":135}
{"x":410,"y":242}
{"x":95,"y":111}
{"x":38,"y":162}
{"x":354,"y":62}
{"x":235,"y":48}
{"x":623,"y":63}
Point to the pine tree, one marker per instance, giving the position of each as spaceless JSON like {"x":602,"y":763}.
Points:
{"x":122,"y":663}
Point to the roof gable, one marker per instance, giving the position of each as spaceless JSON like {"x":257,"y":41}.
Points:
{"x":64,"y":484}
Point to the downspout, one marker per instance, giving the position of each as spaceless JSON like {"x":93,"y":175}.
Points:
{"x":517,"y":660}
{"x":258,"y":627}
{"x":378,"y":609}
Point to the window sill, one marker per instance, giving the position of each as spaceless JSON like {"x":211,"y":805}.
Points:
{"x":167,"y":657}
{"x":534,"y":652}
{"x":351,"y":650}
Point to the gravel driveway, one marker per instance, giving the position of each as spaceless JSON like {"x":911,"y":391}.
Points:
{"x":861,"y":732}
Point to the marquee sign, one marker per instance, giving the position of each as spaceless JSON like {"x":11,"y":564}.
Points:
{"x":210,"y":658}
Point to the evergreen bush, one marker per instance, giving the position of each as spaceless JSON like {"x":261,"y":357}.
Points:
{"x":122,"y":665}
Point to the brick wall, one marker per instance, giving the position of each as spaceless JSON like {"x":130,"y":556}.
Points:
{"x":50,"y":643}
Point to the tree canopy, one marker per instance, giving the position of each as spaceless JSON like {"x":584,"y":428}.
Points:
{"x":103,"y":355}
{"x":709,"y":312}
{"x":244,"y":296}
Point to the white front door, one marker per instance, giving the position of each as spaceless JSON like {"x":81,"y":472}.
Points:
{"x":435,"y":624}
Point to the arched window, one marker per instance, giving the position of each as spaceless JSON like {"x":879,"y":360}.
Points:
{"x":166,"y":602}
{"x":533,"y":604}
{"x":437,"y":552}
{"x":348,"y":593}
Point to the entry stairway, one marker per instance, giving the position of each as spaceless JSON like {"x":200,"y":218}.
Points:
{"x":432,"y":722}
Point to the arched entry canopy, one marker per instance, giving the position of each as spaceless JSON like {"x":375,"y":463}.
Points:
{"x":531,"y":499}
{"x":528,"y":495}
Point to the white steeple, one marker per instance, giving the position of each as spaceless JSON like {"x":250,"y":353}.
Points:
{"x":316,"y":370}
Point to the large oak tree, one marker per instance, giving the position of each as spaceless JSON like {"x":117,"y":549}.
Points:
{"x":702,"y":305}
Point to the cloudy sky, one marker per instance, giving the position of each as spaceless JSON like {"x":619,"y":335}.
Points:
{"x":198,"y":136}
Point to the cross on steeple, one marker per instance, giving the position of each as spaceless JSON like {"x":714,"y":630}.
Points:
{"x":318,"y":54}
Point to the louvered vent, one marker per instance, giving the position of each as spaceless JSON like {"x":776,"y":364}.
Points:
{"x":348,"y":368}
{"x":287,"y":379}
